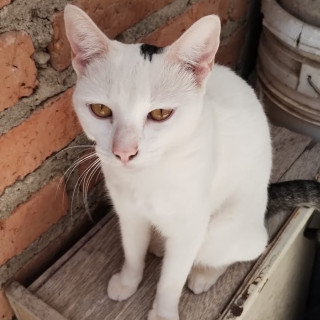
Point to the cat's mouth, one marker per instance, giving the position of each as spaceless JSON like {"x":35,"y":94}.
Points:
{"x":142,"y":161}
{"x":112,"y":160}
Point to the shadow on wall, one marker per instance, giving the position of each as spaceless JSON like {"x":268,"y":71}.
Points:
{"x":247,"y":60}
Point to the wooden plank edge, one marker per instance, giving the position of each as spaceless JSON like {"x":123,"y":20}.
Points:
{"x":256,"y":279}
{"x":27,"y":306}
{"x":71,"y":252}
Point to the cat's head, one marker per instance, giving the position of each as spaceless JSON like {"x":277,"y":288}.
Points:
{"x":139,"y":102}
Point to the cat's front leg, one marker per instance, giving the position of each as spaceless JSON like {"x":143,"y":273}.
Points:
{"x":135,"y":232}
{"x":180,"y":252}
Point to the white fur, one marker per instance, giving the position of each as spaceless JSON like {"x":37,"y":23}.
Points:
{"x":200,"y":177}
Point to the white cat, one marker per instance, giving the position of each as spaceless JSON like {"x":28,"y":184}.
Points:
{"x":183,"y":149}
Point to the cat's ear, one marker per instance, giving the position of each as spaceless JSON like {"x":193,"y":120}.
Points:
{"x":197,"y":47}
{"x":86,"y":40}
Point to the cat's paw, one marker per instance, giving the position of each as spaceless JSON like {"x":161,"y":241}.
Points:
{"x":154,"y":316}
{"x":118,"y":291}
{"x":202,"y":279}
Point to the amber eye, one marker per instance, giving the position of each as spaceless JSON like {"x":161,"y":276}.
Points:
{"x":101,"y":110}
{"x":160,"y":114}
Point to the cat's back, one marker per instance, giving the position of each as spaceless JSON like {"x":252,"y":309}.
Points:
{"x":241,"y":128}
{"x":235,"y":106}
{"x":226,"y":88}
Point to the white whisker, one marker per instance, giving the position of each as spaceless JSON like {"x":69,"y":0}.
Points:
{"x":72,"y":168}
{"x":78,"y":162}
{"x":80,"y":146}
{"x":80,"y":179}
{"x":84,"y":182}
{"x":90,"y":175}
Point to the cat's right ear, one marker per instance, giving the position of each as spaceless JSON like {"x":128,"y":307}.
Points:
{"x":86,"y":40}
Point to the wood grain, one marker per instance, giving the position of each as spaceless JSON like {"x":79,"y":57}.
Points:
{"x":26,"y":306}
{"x":78,"y":289}
{"x":307,"y":166}
{"x":67,"y":256}
{"x":287,"y":148}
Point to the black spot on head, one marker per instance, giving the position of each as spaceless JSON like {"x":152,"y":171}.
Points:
{"x":148,"y":50}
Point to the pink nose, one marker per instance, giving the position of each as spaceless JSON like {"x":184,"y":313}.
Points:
{"x":125,"y":155}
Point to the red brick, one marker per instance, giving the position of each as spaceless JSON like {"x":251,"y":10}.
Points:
{"x":59,"y":48}
{"x":4,"y":3}
{"x":112,"y":17}
{"x":17,"y":69}
{"x":26,"y":146}
{"x":224,"y":11}
{"x":6,"y":312}
{"x":32,"y":218}
{"x":230,"y":49}
{"x":173,"y":29}
{"x":240,"y":8}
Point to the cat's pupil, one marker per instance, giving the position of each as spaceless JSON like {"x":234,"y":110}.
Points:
{"x":160,"y":114}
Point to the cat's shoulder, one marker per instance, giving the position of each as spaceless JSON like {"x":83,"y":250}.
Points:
{"x":225,"y":84}
{"x":223,"y":76}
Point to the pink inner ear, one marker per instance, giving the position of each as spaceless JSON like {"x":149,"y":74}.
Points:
{"x":86,"y":40}
{"x":81,"y":58}
{"x":202,"y":67}
{"x":197,"y":47}
{"x":78,"y":64}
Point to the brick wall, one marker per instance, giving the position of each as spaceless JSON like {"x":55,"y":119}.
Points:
{"x":38,"y":128}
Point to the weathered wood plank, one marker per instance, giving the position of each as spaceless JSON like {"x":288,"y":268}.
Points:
{"x":85,"y":276}
{"x":307,"y":166}
{"x":68,"y":255}
{"x":278,"y":288}
{"x":79,"y":288}
{"x":26,"y":306}
{"x":287,"y":147}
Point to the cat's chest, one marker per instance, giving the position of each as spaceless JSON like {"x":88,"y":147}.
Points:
{"x":153,"y":194}
{"x":138,"y":193}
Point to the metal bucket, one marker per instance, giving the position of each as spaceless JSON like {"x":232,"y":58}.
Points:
{"x":288,"y":69}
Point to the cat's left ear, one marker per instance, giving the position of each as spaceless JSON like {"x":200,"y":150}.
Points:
{"x":86,"y":40}
{"x":197,"y":47}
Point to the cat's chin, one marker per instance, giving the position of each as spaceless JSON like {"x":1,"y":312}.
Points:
{"x":118,"y":165}
{"x":135,"y":164}
{"x":130,"y":167}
